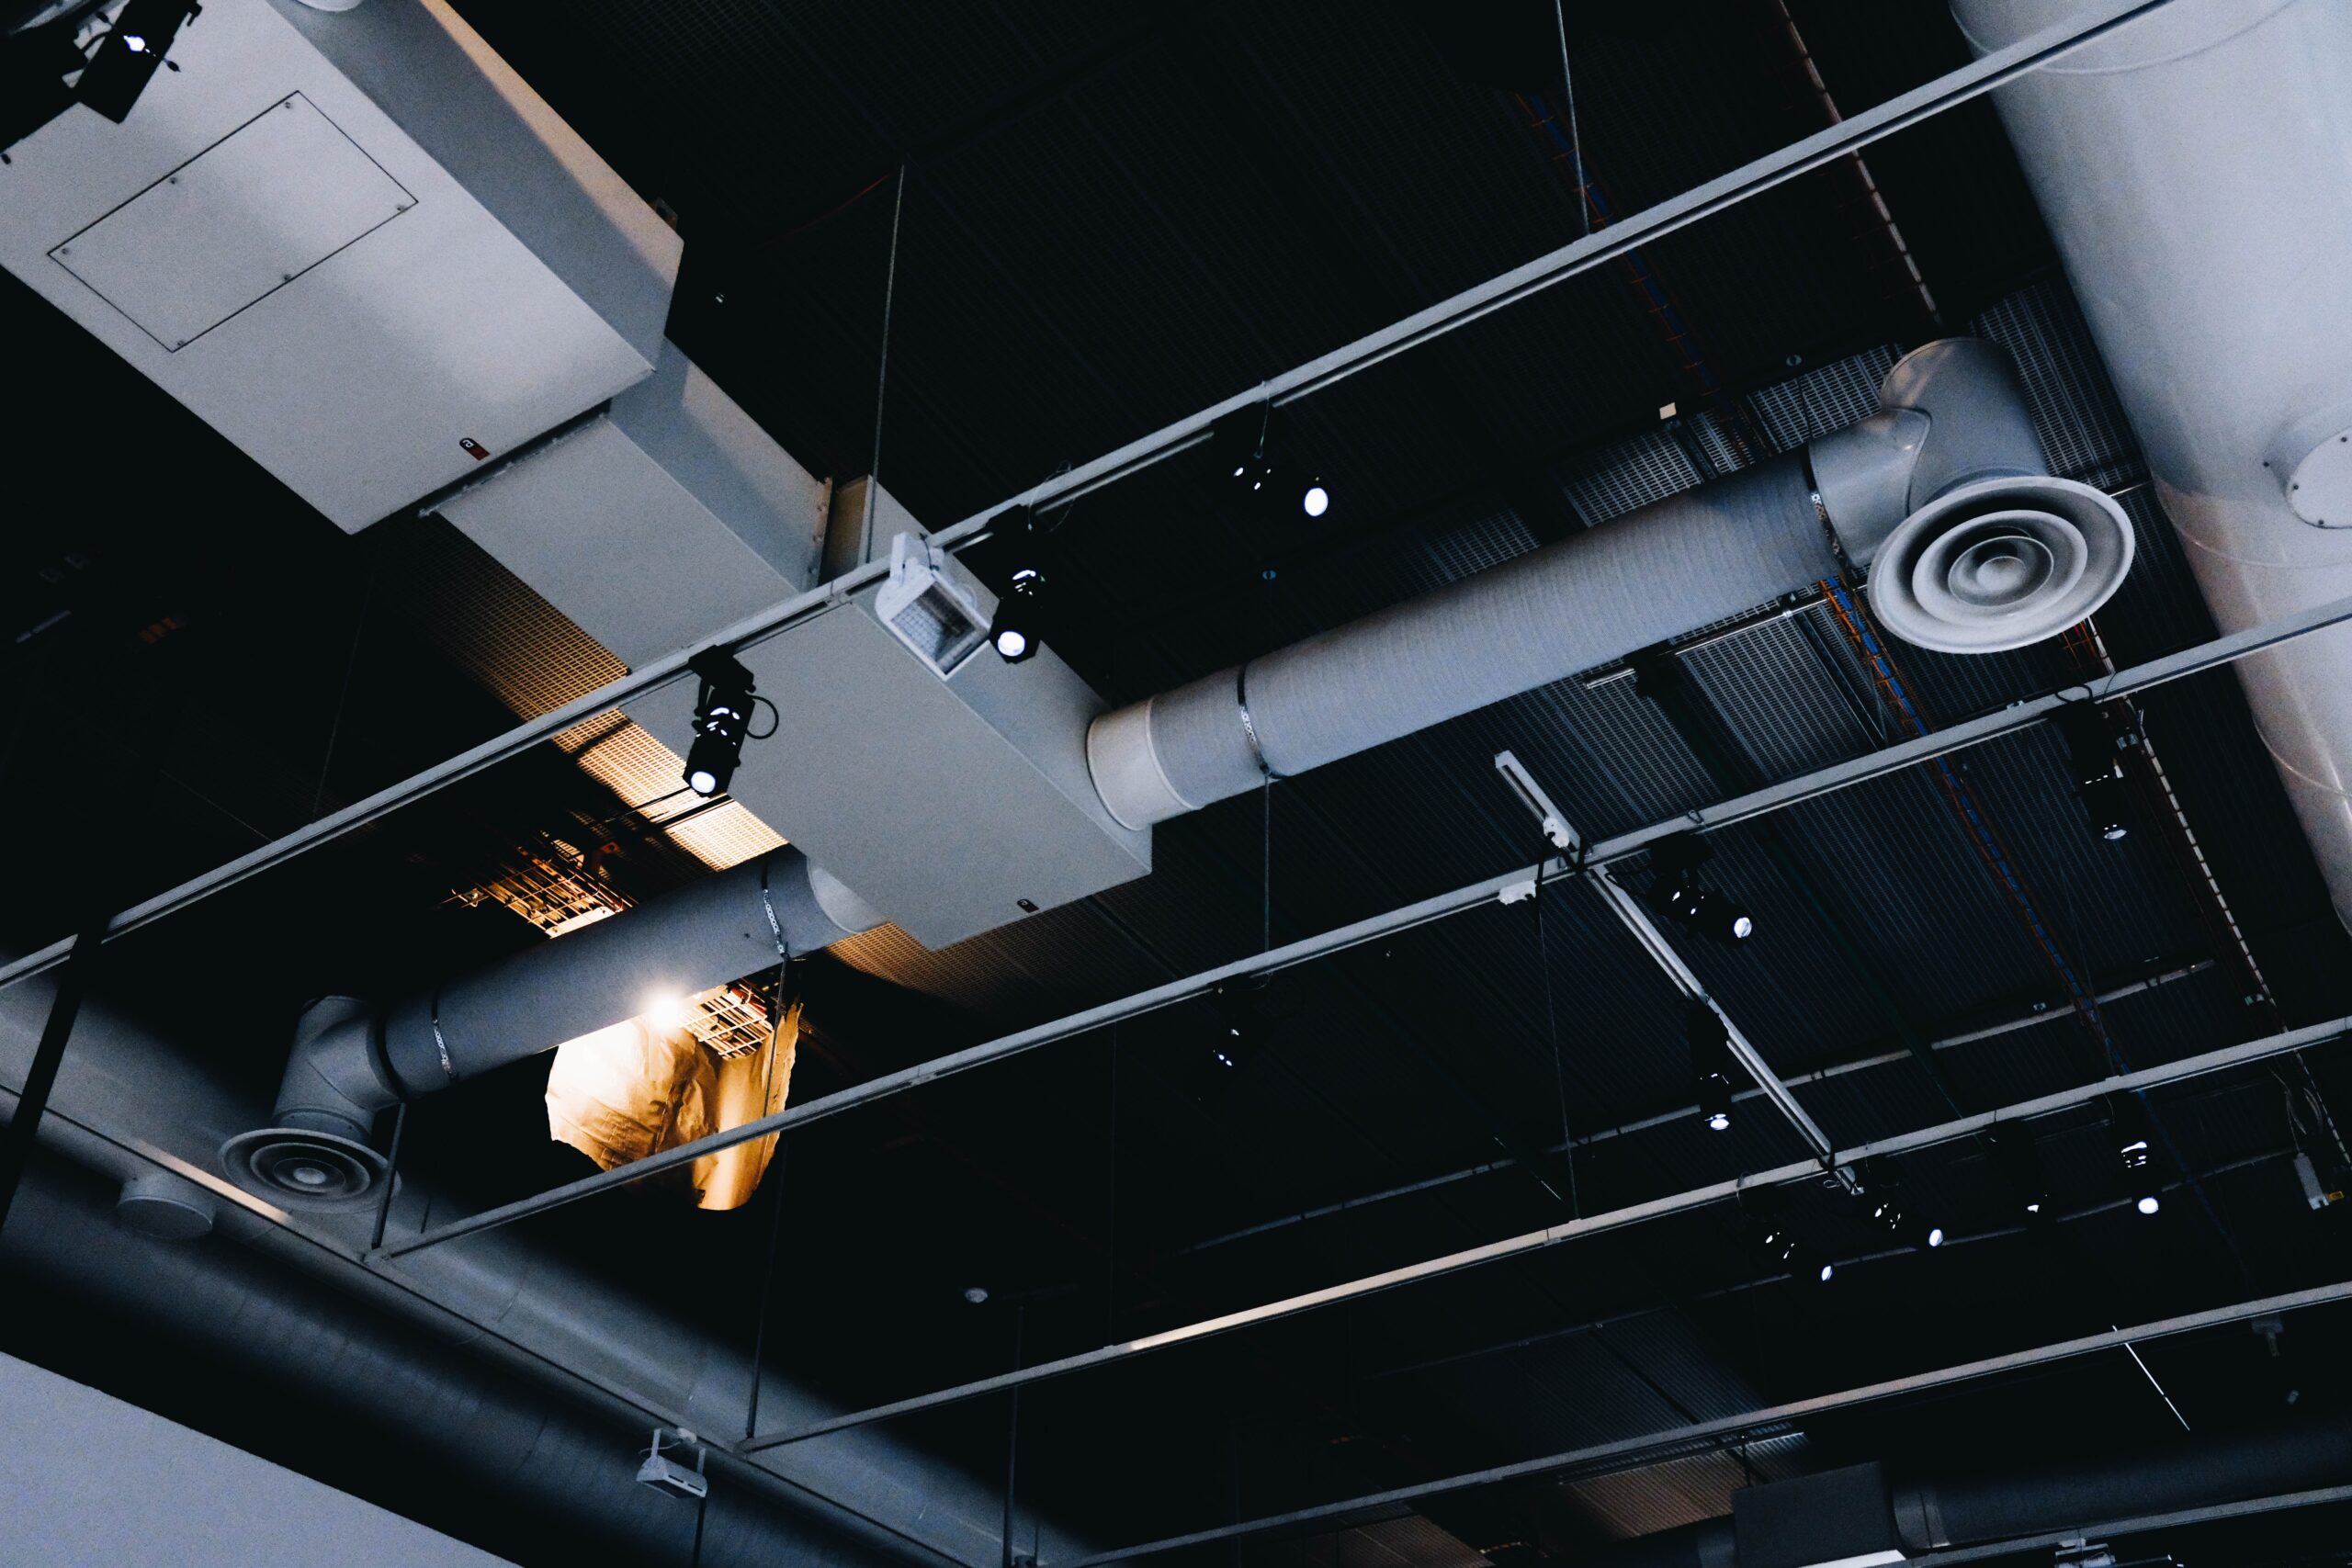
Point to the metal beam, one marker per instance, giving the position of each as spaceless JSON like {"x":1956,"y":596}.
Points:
{"x":1630,"y":1453}
{"x":1637,"y":920}
{"x":2212,"y":654}
{"x":2144,"y":1524}
{"x":1954,"y":87}
{"x":1686,"y":1113}
{"x":1568,"y":1230}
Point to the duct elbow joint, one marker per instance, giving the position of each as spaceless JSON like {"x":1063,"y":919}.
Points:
{"x":336,"y":1080}
{"x":1946,"y":495}
{"x":315,"y":1153}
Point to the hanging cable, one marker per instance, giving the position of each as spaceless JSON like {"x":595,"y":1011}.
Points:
{"x":882,"y":368}
{"x":1552,"y":1027}
{"x":1576,"y":141}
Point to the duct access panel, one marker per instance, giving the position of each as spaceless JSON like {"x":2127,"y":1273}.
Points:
{"x":954,"y":802}
{"x":355,"y":245}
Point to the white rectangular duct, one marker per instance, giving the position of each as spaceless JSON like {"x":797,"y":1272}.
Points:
{"x":952,"y":804}
{"x":2195,"y":169}
{"x":657,"y":522}
{"x":359,"y":247}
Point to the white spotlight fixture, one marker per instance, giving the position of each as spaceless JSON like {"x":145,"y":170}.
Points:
{"x":2149,"y":1204}
{"x":1316,"y":500}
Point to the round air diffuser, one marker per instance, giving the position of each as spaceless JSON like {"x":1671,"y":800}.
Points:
{"x":303,"y":1169}
{"x":1999,"y":564}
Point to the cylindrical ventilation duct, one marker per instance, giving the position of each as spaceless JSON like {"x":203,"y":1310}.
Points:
{"x":1907,"y":1516}
{"x":351,"y":1060}
{"x":2196,"y":171}
{"x":129,"y":1104}
{"x":1946,"y":487}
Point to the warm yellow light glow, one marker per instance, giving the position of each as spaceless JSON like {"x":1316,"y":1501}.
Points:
{"x":666,"y":1011}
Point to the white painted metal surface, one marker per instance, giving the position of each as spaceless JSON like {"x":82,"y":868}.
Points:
{"x":2196,"y":171}
{"x":237,"y":222}
{"x":355,"y":382}
{"x":655,"y":525}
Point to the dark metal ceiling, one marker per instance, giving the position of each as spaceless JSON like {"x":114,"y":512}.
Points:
{"x":1110,"y":217}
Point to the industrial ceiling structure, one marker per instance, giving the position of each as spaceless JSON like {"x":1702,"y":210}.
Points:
{"x":1354,"y":784}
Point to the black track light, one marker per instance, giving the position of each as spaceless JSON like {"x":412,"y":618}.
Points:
{"x":1018,"y":629}
{"x":1249,"y":443}
{"x":1694,"y":905}
{"x":2095,"y":747}
{"x":1240,"y":1029}
{"x":1891,"y":1217}
{"x":2020,"y":1166}
{"x":722,"y":721}
{"x":2135,"y":1152}
{"x":130,"y":54}
{"x":1019,"y":542}
{"x":1711,"y":1065}
{"x":1767,"y":1209}
{"x":1874,"y":1197}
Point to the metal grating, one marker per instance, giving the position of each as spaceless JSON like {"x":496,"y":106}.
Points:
{"x":1628,"y":475}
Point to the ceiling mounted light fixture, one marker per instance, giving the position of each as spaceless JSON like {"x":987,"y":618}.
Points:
{"x":1710,"y":1065}
{"x":2020,"y":1166}
{"x":128,"y":57}
{"x":1248,"y":444}
{"x":2095,"y":747}
{"x":722,"y":721}
{"x":2135,"y":1151}
{"x":1697,"y":908}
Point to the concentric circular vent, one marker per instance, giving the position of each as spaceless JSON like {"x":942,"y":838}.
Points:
{"x":1999,"y":564}
{"x":303,"y":1169}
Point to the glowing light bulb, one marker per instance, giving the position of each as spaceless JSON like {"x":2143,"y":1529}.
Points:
{"x":666,"y":1011}
{"x":2150,"y":1204}
{"x":1316,"y":502}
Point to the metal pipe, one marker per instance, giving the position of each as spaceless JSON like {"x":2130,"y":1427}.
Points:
{"x":1948,"y":476}
{"x":1682,"y":1113}
{"x":1571,"y":1230}
{"x":1751,"y":179}
{"x":1629,"y":1453}
{"x":240,"y":1317}
{"x":1625,"y":846}
{"x":127,"y":1103}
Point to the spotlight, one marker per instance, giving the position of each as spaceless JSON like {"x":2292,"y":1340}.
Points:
{"x":1779,"y":1241}
{"x":1696,"y":907}
{"x":1020,"y":626}
{"x":128,"y":57}
{"x":1710,"y":1065}
{"x":2094,"y":746}
{"x":2135,"y":1150}
{"x":1906,"y":1229}
{"x":722,"y":721}
{"x":1014,"y":633}
{"x":1255,"y":474}
{"x":1238,"y":1031}
{"x":2020,"y":1167}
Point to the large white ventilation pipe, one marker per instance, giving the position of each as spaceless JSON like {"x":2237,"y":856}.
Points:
{"x":351,"y":1060}
{"x":1944,"y":492}
{"x":2196,"y":171}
